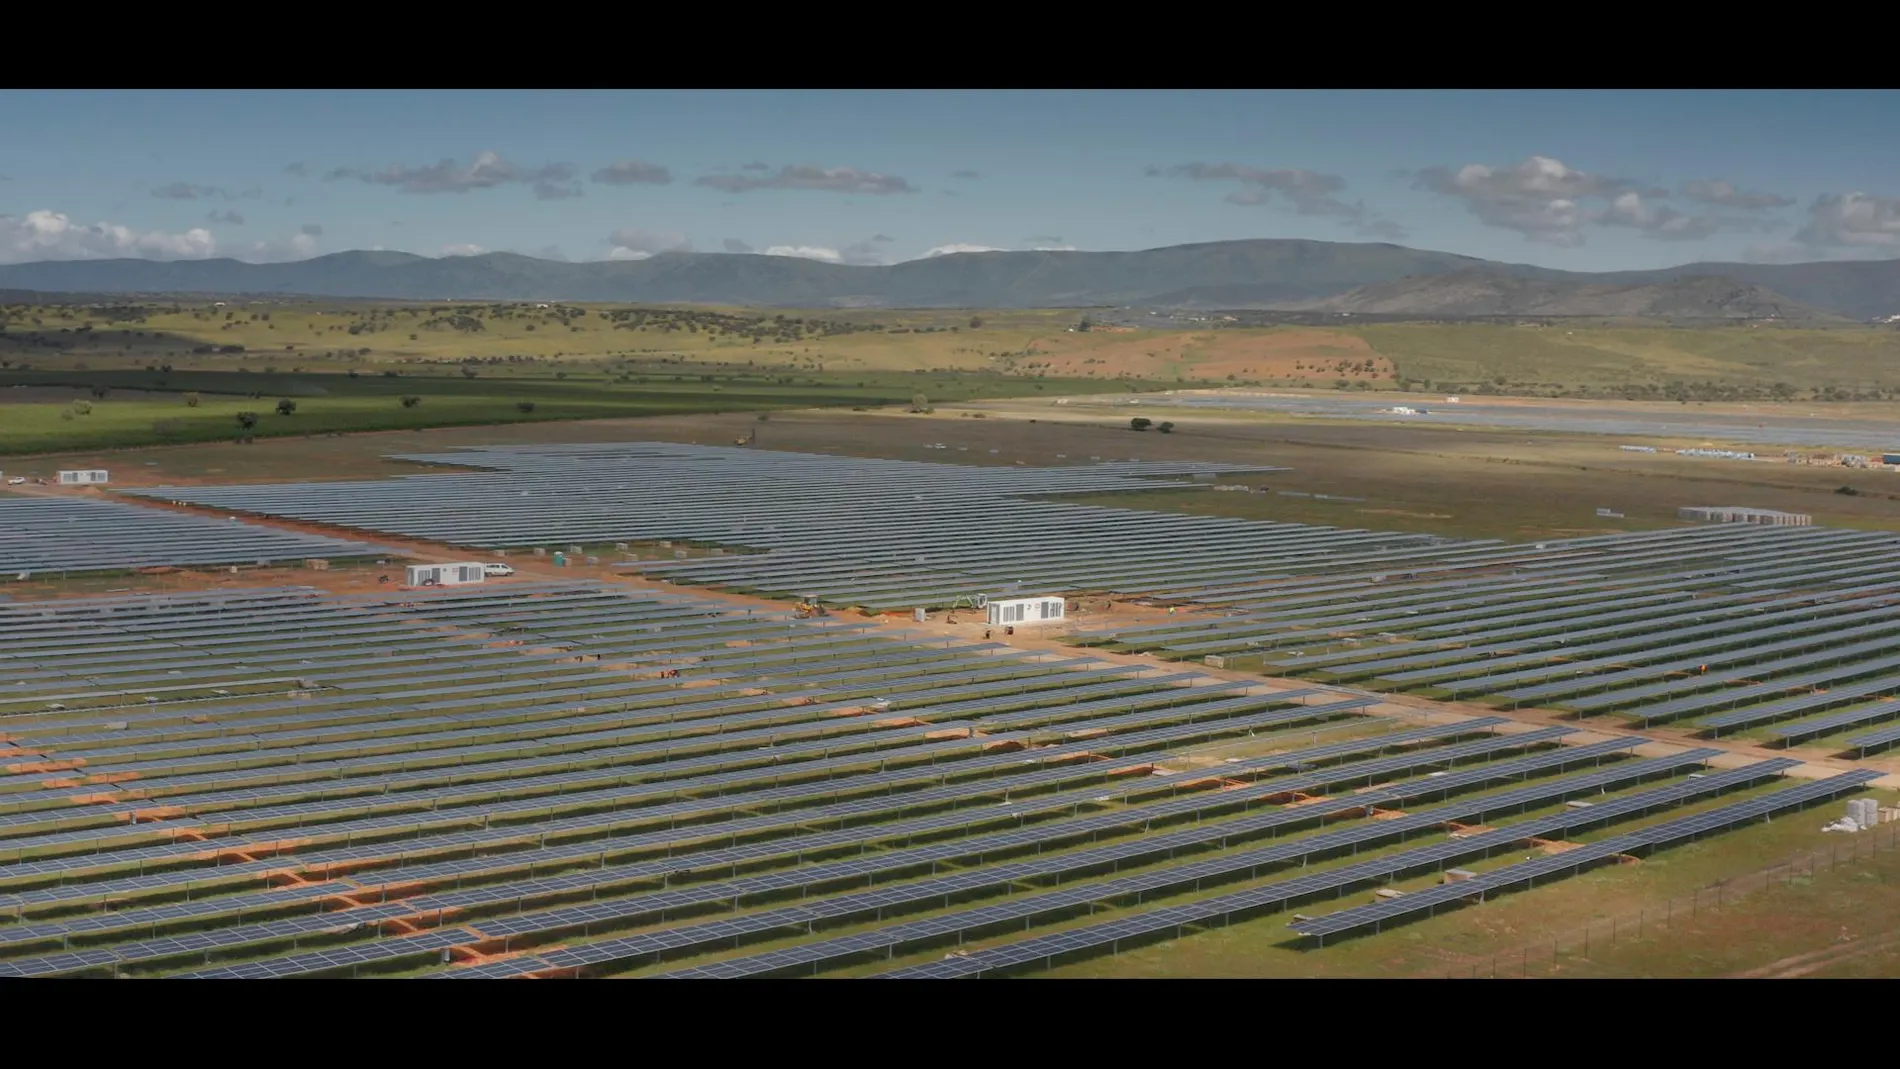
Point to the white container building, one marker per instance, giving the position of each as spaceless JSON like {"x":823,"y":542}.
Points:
{"x":90,"y":477}
{"x":443,"y":574}
{"x":1020,"y":611}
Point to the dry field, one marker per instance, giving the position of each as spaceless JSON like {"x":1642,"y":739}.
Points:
{"x":1435,"y":480}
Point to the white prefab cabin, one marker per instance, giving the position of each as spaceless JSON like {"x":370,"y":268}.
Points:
{"x":91,"y":477}
{"x":443,"y":574}
{"x":1022,"y":611}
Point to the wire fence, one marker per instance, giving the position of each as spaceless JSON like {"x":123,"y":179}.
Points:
{"x":1545,"y":957}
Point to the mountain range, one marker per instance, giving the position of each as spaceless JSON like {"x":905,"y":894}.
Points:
{"x":1254,"y":274}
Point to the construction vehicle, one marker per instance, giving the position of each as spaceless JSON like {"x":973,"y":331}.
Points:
{"x":808,"y":607}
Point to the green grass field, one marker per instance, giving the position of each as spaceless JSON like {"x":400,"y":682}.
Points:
{"x":1606,"y":357}
{"x":347,"y":365}
{"x":55,"y":410}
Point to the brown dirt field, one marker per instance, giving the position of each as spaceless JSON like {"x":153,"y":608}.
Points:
{"x":1250,"y":355}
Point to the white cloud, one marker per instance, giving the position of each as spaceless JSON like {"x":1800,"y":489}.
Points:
{"x":1630,"y":209}
{"x":807,"y":252}
{"x":1308,"y":192}
{"x":807,"y":176}
{"x":1053,"y":248}
{"x":187,"y":191}
{"x":462,"y":250}
{"x":633,"y":172}
{"x":871,"y":252}
{"x":1538,"y":198}
{"x":1853,"y":220}
{"x":49,"y":235}
{"x":1550,"y":202}
{"x":633,"y":243}
{"x":1725,"y":195}
{"x":958,"y":247}
{"x":299,"y":246}
{"x":487,"y":170}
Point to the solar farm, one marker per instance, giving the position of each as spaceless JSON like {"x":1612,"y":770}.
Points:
{"x":280,"y":783}
{"x":663,"y":771}
{"x":76,"y":535}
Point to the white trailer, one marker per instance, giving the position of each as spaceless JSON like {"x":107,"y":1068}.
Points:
{"x":90,"y":477}
{"x":443,"y":574}
{"x":1018,"y":611}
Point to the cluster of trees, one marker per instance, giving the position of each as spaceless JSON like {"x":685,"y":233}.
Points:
{"x":1142,"y":423}
{"x":779,"y":329}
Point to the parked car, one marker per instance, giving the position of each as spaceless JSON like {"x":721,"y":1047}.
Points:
{"x":17,"y":480}
{"x":490,"y":570}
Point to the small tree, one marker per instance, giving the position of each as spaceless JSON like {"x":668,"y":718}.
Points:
{"x":191,"y":400}
{"x":100,"y":392}
{"x":411,"y":401}
{"x":1165,"y":427}
{"x":1084,"y":326}
{"x":976,"y":322}
{"x":1140,"y":423}
{"x":82,"y":408}
{"x":286,"y":406}
{"x":247,"y":420}
{"x":524,"y":407}
{"x":919,"y":403}
{"x":469,"y":372}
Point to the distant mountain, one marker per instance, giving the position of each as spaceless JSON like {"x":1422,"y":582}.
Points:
{"x":1492,"y":293}
{"x":1858,"y":289}
{"x":1266,"y":273}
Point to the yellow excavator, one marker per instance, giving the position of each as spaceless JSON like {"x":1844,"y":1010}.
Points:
{"x":808,"y":607}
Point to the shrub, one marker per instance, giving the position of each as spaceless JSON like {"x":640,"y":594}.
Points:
{"x":286,"y":406}
{"x":411,"y":401}
{"x":247,"y":420}
{"x":1165,"y":427}
{"x":191,"y":400}
{"x":524,"y":407}
{"x":1140,"y":423}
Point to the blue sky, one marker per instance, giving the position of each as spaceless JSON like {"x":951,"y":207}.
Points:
{"x":1579,"y":180}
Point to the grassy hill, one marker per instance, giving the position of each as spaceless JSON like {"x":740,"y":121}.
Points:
{"x":1489,"y":293}
{"x":1263,"y":273}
